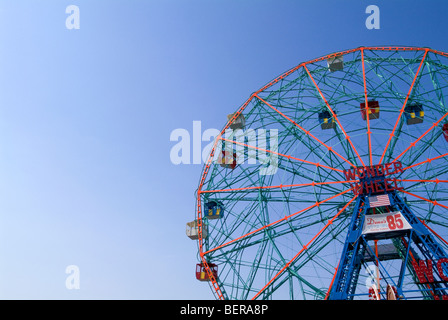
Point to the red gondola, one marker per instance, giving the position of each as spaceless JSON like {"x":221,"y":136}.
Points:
{"x":374,"y":110}
{"x":445,"y":131}
{"x":202,"y":274}
{"x":227,"y":160}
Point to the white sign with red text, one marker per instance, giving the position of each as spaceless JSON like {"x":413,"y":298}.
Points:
{"x":386,"y":222}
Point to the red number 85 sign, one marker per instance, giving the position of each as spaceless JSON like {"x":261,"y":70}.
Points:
{"x":395,"y":221}
{"x":385,"y":222}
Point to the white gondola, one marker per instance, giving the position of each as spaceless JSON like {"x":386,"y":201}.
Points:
{"x":335,"y":63}
{"x":238,"y":123}
{"x":193,"y":230}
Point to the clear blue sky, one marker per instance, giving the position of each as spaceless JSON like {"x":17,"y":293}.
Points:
{"x":86,"y":117}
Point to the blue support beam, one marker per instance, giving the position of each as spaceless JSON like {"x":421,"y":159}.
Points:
{"x":350,"y":262}
{"x":353,"y":254}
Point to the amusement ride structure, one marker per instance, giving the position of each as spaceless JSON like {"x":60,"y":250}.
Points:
{"x":330,"y":182}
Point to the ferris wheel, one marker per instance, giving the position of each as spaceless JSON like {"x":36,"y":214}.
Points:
{"x":330,"y":182}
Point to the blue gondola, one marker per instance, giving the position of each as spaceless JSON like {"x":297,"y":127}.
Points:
{"x":326,"y":120}
{"x":214,"y":209}
{"x":414,"y":113}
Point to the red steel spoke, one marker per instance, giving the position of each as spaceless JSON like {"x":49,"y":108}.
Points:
{"x":435,"y":233}
{"x":417,"y":180}
{"x":280,"y":186}
{"x":305,"y":247}
{"x":334,"y":115}
{"x":281,"y":154}
{"x":318,"y":203}
{"x":404,"y":105}
{"x":434,"y":202}
{"x":369,"y":132}
{"x":305,"y":131}
{"x":427,"y":160}
{"x":331,"y":283}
